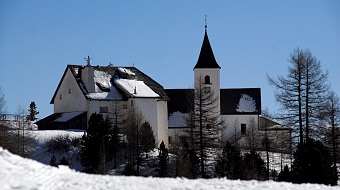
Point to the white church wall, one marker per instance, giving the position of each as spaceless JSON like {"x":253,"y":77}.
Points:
{"x":148,"y":106}
{"x":94,"y":106}
{"x":69,"y":97}
{"x":233,"y":125}
{"x":214,"y":75}
{"x":162,"y":118}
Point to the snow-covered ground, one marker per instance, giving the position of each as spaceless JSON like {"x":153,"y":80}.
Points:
{"x":20,"y":173}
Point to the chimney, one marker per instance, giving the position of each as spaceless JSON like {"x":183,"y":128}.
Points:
{"x":87,"y":76}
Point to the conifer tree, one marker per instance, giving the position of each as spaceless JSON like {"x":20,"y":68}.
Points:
{"x":64,"y":161}
{"x":117,"y":117}
{"x":313,"y":164}
{"x":254,"y":166}
{"x":204,"y":124}
{"x":301,"y":92}
{"x":95,"y":148}
{"x":147,"y":139}
{"x":163,"y":160}
{"x":132,"y":126}
{"x":229,"y":163}
{"x":33,"y":111}
{"x":285,"y":175}
{"x":53,"y":161}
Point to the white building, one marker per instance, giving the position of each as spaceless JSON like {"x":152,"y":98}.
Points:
{"x":84,"y":90}
{"x":240,"y":108}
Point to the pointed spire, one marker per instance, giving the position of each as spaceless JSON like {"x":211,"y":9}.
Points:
{"x":206,"y":25}
{"x":206,"y":58}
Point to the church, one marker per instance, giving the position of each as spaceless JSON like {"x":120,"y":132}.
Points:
{"x":239,"y":108}
{"x":84,"y":90}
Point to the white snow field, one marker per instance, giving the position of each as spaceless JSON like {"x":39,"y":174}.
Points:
{"x":20,"y":173}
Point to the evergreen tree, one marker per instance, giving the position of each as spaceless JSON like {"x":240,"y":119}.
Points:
{"x":254,"y":166}
{"x":285,"y":175}
{"x":187,"y":162}
{"x":33,"y":111}
{"x":147,"y":139}
{"x":229,"y":163}
{"x":313,"y":164}
{"x":53,"y":161}
{"x":64,"y":161}
{"x":163,"y":160}
{"x":95,"y":148}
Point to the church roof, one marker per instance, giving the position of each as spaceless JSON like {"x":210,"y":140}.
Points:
{"x":116,"y":83}
{"x":206,"y":58}
{"x":238,"y":101}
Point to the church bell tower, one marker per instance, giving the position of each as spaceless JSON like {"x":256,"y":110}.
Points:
{"x":207,"y":70}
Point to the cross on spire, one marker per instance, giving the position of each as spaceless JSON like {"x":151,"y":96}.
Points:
{"x":206,"y":25}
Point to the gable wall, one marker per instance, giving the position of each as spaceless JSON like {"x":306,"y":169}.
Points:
{"x":162,"y":119}
{"x":233,"y":122}
{"x":69,"y":102}
{"x":157,"y":118}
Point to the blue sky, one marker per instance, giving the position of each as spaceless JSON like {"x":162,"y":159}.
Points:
{"x":250,"y":39}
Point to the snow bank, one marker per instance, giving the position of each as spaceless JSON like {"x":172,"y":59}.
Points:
{"x":42,"y":136}
{"x":20,"y":173}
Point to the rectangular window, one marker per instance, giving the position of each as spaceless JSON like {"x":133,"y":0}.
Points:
{"x":207,"y":89}
{"x":104,"y":109}
{"x":131,"y":102}
{"x":124,"y":106}
{"x":243,"y":129}
{"x":60,"y":97}
{"x":69,"y":90}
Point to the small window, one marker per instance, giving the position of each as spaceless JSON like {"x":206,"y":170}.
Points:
{"x":170,"y":140}
{"x":207,"y":89}
{"x":243,"y":129}
{"x":69,"y":90}
{"x":124,"y":106}
{"x":103,"y":109}
{"x":60,"y":97}
{"x":207,"y":79}
{"x":131,"y":102}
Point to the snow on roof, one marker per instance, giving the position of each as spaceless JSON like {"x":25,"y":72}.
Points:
{"x":127,"y":71}
{"x":103,"y":78}
{"x":177,"y":119}
{"x":246,"y":104}
{"x":136,"y":88}
{"x":22,"y":173}
{"x":67,"y":116}
{"x":112,"y":95}
{"x":76,"y":70}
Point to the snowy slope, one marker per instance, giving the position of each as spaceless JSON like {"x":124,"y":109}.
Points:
{"x":19,"y":173}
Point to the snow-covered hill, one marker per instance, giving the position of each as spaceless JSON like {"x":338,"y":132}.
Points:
{"x":20,"y":173}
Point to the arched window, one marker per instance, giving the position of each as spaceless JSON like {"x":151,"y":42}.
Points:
{"x":207,"y":79}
